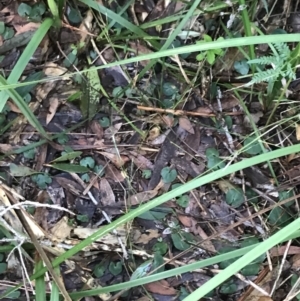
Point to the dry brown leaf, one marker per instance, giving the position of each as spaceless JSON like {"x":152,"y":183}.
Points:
{"x":186,"y":124}
{"x":141,"y":197}
{"x":54,"y":102}
{"x":140,"y":161}
{"x":140,"y":49}
{"x":297,"y":131}
{"x":109,"y":239}
{"x":86,"y":26}
{"x":153,"y":133}
{"x":161,"y":287}
{"x":5,"y":148}
{"x":107,"y":195}
{"x":279,"y":251}
{"x":20,"y":28}
{"x":61,"y":230}
{"x":168,"y":120}
{"x":145,"y":238}
{"x":52,"y":69}
{"x":113,"y":173}
{"x":116,"y":159}
{"x":195,"y":228}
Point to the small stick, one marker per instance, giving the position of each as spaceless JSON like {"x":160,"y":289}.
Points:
{"x":182,"y":112}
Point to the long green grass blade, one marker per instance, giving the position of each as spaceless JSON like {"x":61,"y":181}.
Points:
{"x":243,"y":261}
{"x":25,"y":58}
{"x":22,"y":105}
{"x":235,"y":42}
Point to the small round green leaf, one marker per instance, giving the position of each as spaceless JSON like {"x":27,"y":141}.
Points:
{"x":118,"y":92}
{"x":88,"y":162}
{"x":85,"y":177}
{"x":229,"y":287}
{"x":183,"y":201}
{"x":213,"y":160}
{"x":160,"y":247}
{"x":242,"y":67}
{"x":42,"y":180}
{"x":104,"y":122}
{"x":179,"y":243}
{"x":252,"y":146}
{"x":168,"y":174}
{"x":24,"y":10}
{"x":252,"y":196}
{"x":99,"y":170}
{"x":146,"y":174}
{"x":210,"y":57}
{"x":279,"y":217}
{"x":73,"y":15}
{"x":115,"y":268}
{"x":286,"y":194}
{"x":8,"y":33}
{"x":235,"y":197}
{"x":71,"y":59}
{"x":99,"y":270}
{"x":169,"y":89}
{"x":29,"y":154}
{"x":251,"y":269}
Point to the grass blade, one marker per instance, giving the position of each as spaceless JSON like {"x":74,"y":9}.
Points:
{"x":25,"y":58}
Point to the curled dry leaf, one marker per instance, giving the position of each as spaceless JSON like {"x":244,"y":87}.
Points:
{"x":161,"y":287}
{"x":61,"y":230}
{"x":116,"y":159}
{"x":113,"y":173}
{"x":140,"y":161}
{"x":186,"y":125}
{"x":109,"y":239}
{"x":107,"y":194}
{"x":141,"y":197}
{"x":54,"y":102}
{"x":195,"y":228}
{"x":153,"y":133}
{"x":145,"y":237}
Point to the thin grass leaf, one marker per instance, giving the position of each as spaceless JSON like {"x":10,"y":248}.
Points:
{"x":40,"y":285}
{"x":25,"y":58}
{"x":119,"y":19}
{"x":54,"y":289}
{"x":244,"y":261}
{"x":22,"y":105}
{"x":235,"y":42}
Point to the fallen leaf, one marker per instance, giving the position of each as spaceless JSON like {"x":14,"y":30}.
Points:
{"x":107,"y":194}
{"x":117,"y":159}
{"x":146,"y":237}
{"x":298,"y":131}
{"x":141,"y":197}
{"x":54,"y":102}
{"x":161,"y":287}
{"x":186,"y":124}
{"x":61,"y":230}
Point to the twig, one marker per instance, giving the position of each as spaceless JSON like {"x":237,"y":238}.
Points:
{"x":182,"y":112}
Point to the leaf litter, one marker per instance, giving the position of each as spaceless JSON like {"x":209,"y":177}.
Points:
{"x":113,"y":150}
